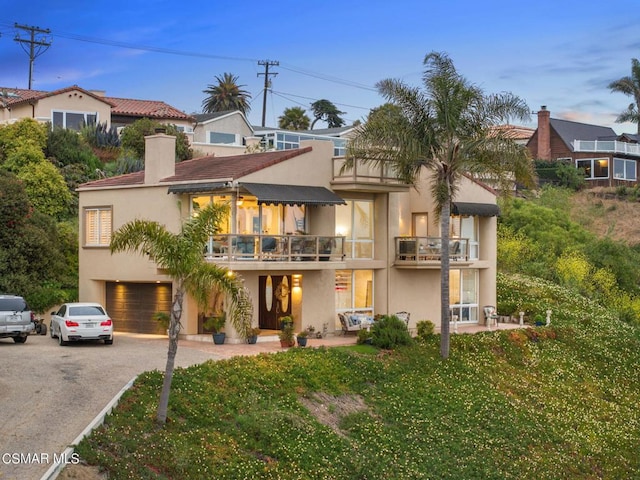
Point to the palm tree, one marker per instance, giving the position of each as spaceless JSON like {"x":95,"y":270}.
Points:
{"x":446,"y":129}
{"x":181,"y":256}
{"x":294,"y":118}
{"x":630,"y":86}
{"x":327,"y":111}
{"x":226,"y":95}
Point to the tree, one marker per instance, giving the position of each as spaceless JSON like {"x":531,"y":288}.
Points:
{"x":630,"y":86}
{"x":180,"y":255}
{"x":46,"y":188}
{"x":446,"y":129}
{"x":294,"y":118}
{"x":226,"y":95}
{"x":132,"y":138}
{"x":327,"y":111}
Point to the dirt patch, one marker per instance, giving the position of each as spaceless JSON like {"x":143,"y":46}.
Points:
{"x":81,"y":472}
{"x":330,"y":409}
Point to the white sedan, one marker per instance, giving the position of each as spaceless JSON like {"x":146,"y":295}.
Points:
{"x":81,"y":321}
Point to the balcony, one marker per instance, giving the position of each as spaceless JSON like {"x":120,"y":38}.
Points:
{"x":606,"y":146}
{"x":275,"y":248}
{"x":427,"y":251}
{"x":365,"y":177}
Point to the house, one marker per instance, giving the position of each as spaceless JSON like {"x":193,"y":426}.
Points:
{"x":608,"y":159}
{"x":308,"y":239}
{"x":73,"y":107}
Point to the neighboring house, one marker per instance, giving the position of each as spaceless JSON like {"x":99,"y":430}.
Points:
{"x":308,"y":240}
{"x":608,"y":159}
{"x":73,"y":107}
{"x":222,"y":133}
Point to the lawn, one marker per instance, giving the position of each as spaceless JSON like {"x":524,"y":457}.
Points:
{"x":541,"y":403}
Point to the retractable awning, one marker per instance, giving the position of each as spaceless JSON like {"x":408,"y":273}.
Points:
{"x":196,"y":187}
{"x":268,"y":193}
{"x":478,"y":209}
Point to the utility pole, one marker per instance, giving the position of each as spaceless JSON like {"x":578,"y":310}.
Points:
{"x":267,"y":83}
{"x":36,"y":46}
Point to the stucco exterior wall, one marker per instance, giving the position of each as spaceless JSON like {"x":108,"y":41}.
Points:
{"x":71,"y":101}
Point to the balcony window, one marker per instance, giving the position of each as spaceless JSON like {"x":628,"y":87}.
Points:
{"x":466,"y":226}
{"x":594,"y":168}
{"x":624,"y":169}
{"x":355,"y":222}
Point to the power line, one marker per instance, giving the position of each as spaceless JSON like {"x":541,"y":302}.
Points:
{"x":281,"y":94}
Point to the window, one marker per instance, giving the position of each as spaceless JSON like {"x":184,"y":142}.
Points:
{"x":220,"y":137}
{"x":624,"y":169}
{"x":466,"y":227}
{"x":354,"y":221}
{"x":97,"y":226}
{"x":74,"y":120}
{"x":594,"y":168}
{"x":463,"y":294}
{"x":354,"y":291}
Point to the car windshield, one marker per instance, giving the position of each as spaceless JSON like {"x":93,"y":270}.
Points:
{"x":85,"y":310}
{"x":12,"y":305}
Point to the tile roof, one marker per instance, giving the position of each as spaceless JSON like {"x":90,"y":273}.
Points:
{"x":119,"y":106}
{"x":206,"y":168}
{"x":516,"y":132}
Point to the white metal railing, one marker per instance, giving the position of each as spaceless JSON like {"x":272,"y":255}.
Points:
{"x":282,"y":248}
{"x":613,"y":146}
{"x":364,"y":172}
{"x":429,"y":249}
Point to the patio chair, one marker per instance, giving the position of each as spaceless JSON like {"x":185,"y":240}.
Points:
{"x":490,"y":316}
{"x":404,"y":316}
{"x":349,"y":323}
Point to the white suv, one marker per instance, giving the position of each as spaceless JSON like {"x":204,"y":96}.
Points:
{"x":16,"y":319}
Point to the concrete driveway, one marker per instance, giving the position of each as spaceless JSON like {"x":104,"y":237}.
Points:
{"x":49,"y":393}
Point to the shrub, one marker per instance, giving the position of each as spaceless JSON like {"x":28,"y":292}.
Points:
{"x":425,"y":330}
{"x":364,"y":336}
{"x":390,"y":332}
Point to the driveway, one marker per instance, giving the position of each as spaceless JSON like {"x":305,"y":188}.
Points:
{"x":49,"y":394}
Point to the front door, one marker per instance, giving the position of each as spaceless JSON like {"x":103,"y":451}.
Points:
{"x":275,"y":300}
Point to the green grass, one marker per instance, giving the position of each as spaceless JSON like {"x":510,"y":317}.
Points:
{"x":545,"y":403}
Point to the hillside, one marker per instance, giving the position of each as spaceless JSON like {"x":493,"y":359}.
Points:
{"x":604,"y":213}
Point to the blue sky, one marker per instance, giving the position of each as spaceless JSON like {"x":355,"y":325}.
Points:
{"x":558,"y":53}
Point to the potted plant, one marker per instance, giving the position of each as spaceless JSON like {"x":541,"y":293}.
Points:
{"x":285,"y":320}
{"x":215,"y":323}
{"x":252,"y":335}
{"x":302,"y":338}
{"x":286,"y":336}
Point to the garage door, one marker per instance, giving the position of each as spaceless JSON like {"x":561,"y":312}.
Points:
{"x":132,"y":305}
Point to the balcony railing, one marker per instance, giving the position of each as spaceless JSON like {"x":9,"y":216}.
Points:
{"x":613,"y":146}
{"x":275,"y":248}
{"x":429,"y":249}
{"x":364,"y":172}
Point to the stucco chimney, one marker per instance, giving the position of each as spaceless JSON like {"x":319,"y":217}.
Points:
{"x":159,"y":157}
{"x":544,"y":134}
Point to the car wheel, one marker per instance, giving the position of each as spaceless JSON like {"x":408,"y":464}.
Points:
{"x":61,"y":342}
{"x":20,"y":339}
{"x":51,"y":330}
{"x":43,"y":329}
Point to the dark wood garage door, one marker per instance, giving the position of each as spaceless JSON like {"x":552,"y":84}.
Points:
{"x":132,"y":305}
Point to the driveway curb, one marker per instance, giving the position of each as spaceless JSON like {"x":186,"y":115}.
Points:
{"x":66,"y":456}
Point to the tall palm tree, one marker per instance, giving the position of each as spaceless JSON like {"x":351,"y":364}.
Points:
{"x":630,"y":85}
{"x":226,"y":95}
{"x":294,"y":118}
{"x":181,"y":255}
{"x":446,"y":129}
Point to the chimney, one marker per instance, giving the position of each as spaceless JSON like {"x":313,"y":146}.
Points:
{"x":159,"y":157}
{"x":544,"y":134}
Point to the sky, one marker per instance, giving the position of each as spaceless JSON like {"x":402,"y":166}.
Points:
{"x":557,"y":53}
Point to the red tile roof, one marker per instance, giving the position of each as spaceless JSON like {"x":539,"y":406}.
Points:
{"x":206,"y":168}
{"x":119,"y":106}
